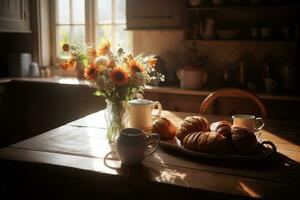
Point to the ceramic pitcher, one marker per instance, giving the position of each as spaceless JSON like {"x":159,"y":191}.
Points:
{"x":141,"y":113}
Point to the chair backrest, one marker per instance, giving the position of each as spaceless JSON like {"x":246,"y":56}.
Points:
{"x":230,"y":101}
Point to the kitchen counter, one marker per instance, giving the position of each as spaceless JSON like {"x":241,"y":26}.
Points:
{"x":176,"y":90}
{"x":4,"y":80}
{"x":156,"y":89}
{"x":42,"y":104}
{"x":56,"y":80}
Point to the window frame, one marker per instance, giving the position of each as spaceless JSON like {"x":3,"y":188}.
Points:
{"x":114,"y":24}
{"x":90,"y":26}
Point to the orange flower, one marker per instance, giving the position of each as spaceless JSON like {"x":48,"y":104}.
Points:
{"x":119,"y":76}
{"x":92,"y":53}
{"x":104,"y":48}
{"x":128,"y":59}
{"x":91,"y":72}
{"x":152,"y":61}
{"x":66,"y":47}
{"x":64,"y":65}
{"x":68,"y":64}
{"x":135,"y":67}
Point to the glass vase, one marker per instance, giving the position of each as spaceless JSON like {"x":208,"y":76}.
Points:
{"x":116,"y":117}
{"x":80,"y":70}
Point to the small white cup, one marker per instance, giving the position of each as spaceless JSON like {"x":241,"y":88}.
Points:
{"x":249,"y":121}
{"x":140,"y":113}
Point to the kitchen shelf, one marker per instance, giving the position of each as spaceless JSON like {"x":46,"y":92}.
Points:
{"x":207,"y":91}
{"x":231,"y":21}
{"x":246,"y":41}
{"x":244,"y":7}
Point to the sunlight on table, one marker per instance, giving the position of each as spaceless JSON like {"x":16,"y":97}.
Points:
{"x":243,"y":187}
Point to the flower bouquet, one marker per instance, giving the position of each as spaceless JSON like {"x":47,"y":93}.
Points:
{"x":118,"y":77}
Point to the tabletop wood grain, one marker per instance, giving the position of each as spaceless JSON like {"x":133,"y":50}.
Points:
{"x":82,"y":145}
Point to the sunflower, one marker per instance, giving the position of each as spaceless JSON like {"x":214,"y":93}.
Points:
{"x":66,"y":47}
{"x":64,"y":65}
{"x":111,"y":64}
{"x":92,"y":53}
{"x":135,"y":67}
{"x":91,"y":72}
{"x":119,"y":76}
{"x":104,"y":48}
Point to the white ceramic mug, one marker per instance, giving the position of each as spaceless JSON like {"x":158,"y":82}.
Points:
{"x":249,"y":121}
{"x":133,"y":145}
{"x":141,"y":115}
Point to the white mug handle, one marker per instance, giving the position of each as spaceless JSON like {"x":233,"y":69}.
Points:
{"x":259,"y":123}
{"x":159,"y":108}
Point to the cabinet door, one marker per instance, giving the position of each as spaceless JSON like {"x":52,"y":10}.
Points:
{"x":145,"y":14}
{"x":182,"y":103}
{"x":14,"y":16}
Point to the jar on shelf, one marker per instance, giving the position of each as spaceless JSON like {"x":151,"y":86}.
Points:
{"x":195,"y":3}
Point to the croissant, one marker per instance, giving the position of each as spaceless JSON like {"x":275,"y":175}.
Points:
{"x":192,"y":124}
{"x":165,"y":128}
{"x":225,"y":131}
{"x":219,"y":124}
{"x":208,"y":142}
{"x":244,"y":140}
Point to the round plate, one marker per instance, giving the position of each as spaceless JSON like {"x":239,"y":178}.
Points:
{"x":268,"y":148}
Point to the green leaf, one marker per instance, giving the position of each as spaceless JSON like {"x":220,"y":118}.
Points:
{"x":97,"y":93}
{"x":85,"y":62}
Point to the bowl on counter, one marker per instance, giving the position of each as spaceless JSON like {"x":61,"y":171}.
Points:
{"x":191,"y":78}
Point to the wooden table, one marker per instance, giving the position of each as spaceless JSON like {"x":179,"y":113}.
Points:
{"x":72,"y":161}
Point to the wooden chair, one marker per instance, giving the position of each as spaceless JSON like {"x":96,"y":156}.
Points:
{"x":230,"y":101}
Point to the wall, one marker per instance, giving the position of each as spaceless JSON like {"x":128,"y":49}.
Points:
{"x":168,"y":44}
{"x":227,"y":55}
{"x":172,"y":47}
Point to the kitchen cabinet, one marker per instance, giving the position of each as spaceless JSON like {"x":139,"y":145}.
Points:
{"x":3,"y":94}
{"x":278,"y":107}
{"x":154,"y":14}
{"x":33,"y":108}
{"x":14,"y":16}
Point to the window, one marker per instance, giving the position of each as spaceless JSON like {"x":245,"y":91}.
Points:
{"x":70,"y":23}
{"x":111,"y":23}
{"x":108,"y":23}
